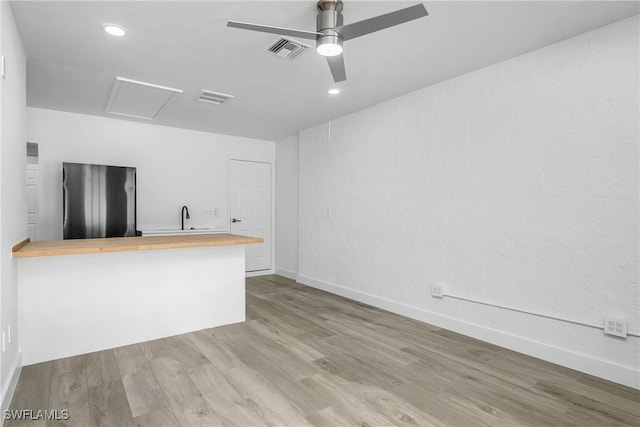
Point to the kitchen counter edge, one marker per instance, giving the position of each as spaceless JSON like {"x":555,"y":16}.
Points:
{"x":27,"y":248}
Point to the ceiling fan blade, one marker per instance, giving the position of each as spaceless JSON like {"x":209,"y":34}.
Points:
{"x":274,"y":30}
{"x":368,"y":26}
{"x":336,"y":65}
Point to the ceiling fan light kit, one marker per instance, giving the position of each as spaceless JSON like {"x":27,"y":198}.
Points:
{"x":329,"y":46}
{"x":331,"y":33}
{"x":329,"y":17}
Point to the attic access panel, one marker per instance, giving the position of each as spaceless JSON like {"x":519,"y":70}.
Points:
{"x":131,"y":98}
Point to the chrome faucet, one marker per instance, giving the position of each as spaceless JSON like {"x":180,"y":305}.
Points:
{"x":182,"y":217}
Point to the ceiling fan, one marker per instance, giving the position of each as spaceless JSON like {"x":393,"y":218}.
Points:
{"x":330,"y":32}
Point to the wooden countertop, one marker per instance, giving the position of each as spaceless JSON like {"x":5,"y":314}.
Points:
{"x":27,"y":248}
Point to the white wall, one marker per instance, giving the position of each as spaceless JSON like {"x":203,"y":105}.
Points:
{"x":175,"y":167}
{"x":120,"y":298}
{"x":516,"y":184}
{"x":13,"y":221}
{"x":287,"y":207}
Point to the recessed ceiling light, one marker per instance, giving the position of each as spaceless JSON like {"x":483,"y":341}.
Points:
{"x":115,"y":30}
{"x":333,"y":91}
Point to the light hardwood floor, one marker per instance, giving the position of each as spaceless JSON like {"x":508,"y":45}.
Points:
{"x":306,"y":357}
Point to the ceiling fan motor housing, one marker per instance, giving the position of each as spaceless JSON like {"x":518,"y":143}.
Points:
{"x":329,"y":17}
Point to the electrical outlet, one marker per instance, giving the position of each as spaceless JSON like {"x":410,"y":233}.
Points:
{"x":616,"y":327}
{"x":437,"y":291}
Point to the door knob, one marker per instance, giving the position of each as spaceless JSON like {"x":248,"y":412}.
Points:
{"x":236,"y":220}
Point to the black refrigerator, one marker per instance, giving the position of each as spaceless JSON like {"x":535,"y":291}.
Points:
{"x":98,"y":201}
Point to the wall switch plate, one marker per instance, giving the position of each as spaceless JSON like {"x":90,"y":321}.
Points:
{"x":615,"y":327}
{"x":437,"y":291}
{"x":208,"y":212}
{"x":2,"y":67}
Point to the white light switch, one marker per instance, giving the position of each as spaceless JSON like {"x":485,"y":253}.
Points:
{"x":2,"y":71}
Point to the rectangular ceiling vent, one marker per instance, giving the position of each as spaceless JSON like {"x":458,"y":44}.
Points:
{"x":285,"y":48}
{"x":214,"y":97}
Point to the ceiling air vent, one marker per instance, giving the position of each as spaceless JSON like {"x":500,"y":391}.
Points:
{"x":285,"y":48}
{"x":213,"y":97}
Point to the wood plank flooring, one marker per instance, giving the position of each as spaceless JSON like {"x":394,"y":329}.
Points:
{"x":306,"y":357}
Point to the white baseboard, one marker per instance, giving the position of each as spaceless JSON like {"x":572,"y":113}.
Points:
{"x":289,"y":274}
{"x":259,"y":273}
{"x":10,"y":387}
{"x":580,"y":362}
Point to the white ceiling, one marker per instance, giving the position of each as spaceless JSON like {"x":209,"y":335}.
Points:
{"x":72,"y":63}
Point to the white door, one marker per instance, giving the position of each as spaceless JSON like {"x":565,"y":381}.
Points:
{"x":250,"y":209}
{"x":32,"y":201}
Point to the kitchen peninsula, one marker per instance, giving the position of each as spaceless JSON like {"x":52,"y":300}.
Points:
{"x":85,"y":295}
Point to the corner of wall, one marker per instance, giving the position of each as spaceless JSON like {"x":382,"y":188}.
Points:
{"x":13,"y":219}
{"x":289,"y":274}
{"x":287,"y":206}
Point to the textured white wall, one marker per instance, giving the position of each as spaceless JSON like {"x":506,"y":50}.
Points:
{"x":175,"y":167}
{"x":516,"y":184}
{"x":13,"y":220}
{"x":287,"y":206}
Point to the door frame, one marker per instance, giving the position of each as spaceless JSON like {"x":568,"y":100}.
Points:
{"x":33,"y":167}
{"x":272,"y":269}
